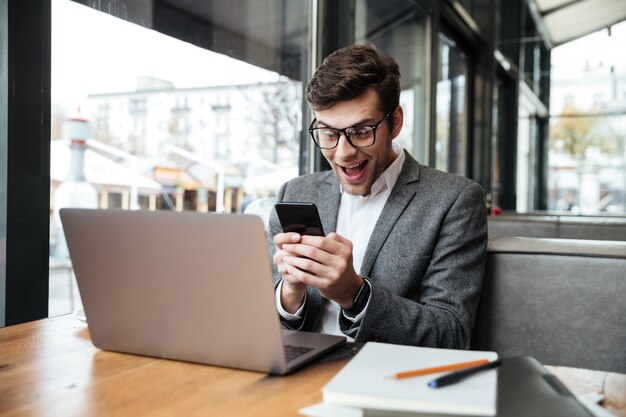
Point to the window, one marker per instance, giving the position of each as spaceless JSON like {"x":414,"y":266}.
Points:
{"x":452,"y":117}
{"x":398,"y":28}
{"x":587,"y":143}
{"x":129,"y":93}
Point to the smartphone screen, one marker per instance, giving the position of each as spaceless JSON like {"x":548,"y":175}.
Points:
{"x":301,"y":218}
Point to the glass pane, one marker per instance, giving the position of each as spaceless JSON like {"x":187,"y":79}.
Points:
{"x":397,"y":28}
{"x":526,"y":153}
{"x":587,"y":147}
{"x":587,"y":163}
{"x":451,"y":123}
{"x":143,"y":120}
{"x":493,"y":197}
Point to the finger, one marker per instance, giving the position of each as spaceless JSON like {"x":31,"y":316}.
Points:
{"x":304,"y":277}
{"x":333,"y":243}
{"x":311,"y":273}
{"x":335,"y":263}
{"x":279,"y":255}
{"x":283,"y":269}
{"x":338,"y":238}
{"x":316,"y":241}
{"x":282,"y":266}
{"x":282,"y":238}
{"x":338,"y":245}
{"x":307,"y":251}
{"x":305,"y":264}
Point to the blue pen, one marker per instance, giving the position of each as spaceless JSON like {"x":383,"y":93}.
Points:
{"x":457,"y":376}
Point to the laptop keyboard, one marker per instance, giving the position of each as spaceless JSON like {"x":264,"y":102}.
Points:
{"x":293,"y":351}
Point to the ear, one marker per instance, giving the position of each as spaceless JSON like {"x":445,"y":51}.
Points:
{"x":398,"y":119}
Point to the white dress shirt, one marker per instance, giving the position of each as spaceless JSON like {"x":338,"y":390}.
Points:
{"x":355,"y":221}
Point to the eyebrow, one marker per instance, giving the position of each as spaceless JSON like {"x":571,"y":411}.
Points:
{"x":361,"y":122}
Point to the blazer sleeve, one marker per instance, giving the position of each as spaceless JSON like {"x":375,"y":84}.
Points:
{"x":313,"y":306}
{"x":439,"y":306}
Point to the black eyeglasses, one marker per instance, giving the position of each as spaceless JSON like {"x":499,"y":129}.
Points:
{"x":360,"y":136}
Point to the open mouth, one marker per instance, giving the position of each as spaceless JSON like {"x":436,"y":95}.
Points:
{"x":354,"y":172}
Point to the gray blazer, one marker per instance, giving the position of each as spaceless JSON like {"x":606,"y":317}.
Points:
{"x":425,"y":259}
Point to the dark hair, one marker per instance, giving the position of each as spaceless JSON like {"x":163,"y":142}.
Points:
{"x":349,"y":72}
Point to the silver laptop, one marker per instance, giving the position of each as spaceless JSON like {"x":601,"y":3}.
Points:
{"x":189,"y":286}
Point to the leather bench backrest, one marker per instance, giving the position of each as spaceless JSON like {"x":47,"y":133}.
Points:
{"x":561,"y":301}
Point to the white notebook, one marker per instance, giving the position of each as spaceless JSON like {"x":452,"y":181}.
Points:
{"x":365,"y":382}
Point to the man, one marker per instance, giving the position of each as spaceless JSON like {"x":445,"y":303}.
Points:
{"x":405,"y":259}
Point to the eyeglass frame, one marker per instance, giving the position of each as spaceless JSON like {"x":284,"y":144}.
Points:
{"x":345,"y":133}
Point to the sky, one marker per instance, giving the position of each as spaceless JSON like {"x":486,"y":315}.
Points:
{"x":94,"y":52}
{"x":597,"y":48}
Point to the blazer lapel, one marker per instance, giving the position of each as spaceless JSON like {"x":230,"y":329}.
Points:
{"x":400,"y":197}
{"x":327,"y":200}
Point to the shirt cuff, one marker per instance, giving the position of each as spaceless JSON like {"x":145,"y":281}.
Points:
{"x":284,"y":314}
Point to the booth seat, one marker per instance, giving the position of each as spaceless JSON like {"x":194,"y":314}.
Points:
{"x":562,"y":301}
{"x":558,"y":226}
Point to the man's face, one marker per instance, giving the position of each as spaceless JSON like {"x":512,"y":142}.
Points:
{"x":358,"y":168}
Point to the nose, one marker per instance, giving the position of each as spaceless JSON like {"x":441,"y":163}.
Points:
{"x":344,"y":147}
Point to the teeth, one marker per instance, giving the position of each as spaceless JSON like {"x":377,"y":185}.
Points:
{"x":353,"y":166}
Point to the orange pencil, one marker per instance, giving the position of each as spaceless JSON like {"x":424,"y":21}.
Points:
{"x":435,"y":369}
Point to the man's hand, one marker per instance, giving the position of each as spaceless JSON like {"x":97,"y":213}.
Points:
{"x":321,"y":262}
{"x":292,"y":293}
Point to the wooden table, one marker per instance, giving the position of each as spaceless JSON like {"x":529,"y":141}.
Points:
{"x":50,"y":368}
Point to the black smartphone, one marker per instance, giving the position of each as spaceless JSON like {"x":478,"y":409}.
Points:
{"x":301,"y":218}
